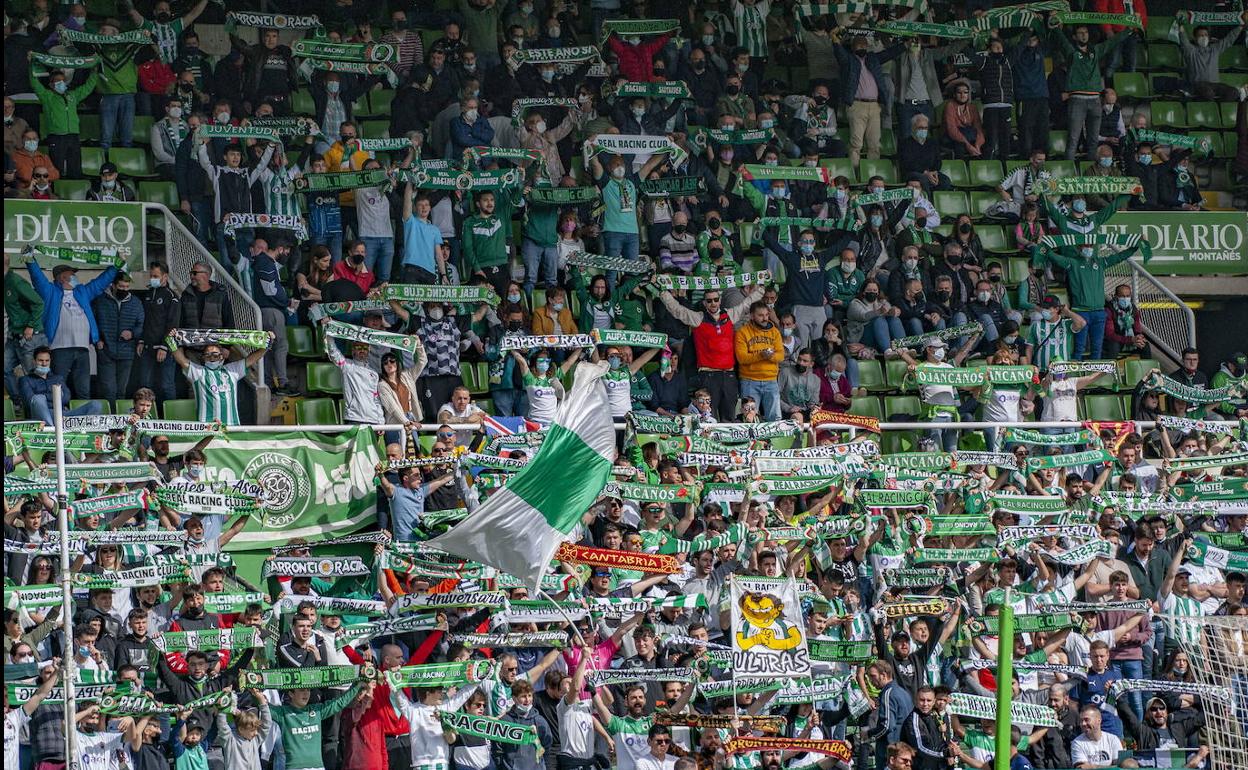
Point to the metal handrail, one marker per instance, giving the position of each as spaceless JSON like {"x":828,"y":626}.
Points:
{"x":1172,"y":327}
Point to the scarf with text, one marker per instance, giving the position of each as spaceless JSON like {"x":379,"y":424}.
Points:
{"x":81,"y":255}
{"x":712,"y":282}
{"x":461,"y":180}
{"x":339,"y":330}
{"x":234,"y":221}
{"x":433,"y":293}
{"x":488,"y":728}
{"x":918,"y":340}
{"x":1192,"y":395}
{"x":613,"y":264}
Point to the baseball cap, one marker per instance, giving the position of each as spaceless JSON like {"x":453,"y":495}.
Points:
{"x":61,"y":269}
{"x":1185,"y":570}
{"x":936,"y":343}
{"x":108,"y":168}
{"x":1050,"y":301}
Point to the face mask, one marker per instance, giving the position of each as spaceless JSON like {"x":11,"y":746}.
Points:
{"x":678,"y":229}
{"x":223,"y":117}
{"x":357,"y":259}
{"x":470,"y":116}
{"x":614,"y":361}
{"x":513,"y":296}
{"x":332,"y":86}
{"x":435,"y":314}
{"x":514,"y":326}
{"x":569,"y":227}
{"x":1124,"y":303}
{"x":848,"y":267}
{"x":877,"y":220}
{"x":806,"y":248}
{"x":1146,"y":159}
{"x":542,"y":366}
{"x":939,"y":354}
{"x":810,"y":163}
{"x":548,"y":75}
{"x":73,"y":281}
{"x":60,"y":86}
{"x":699,"y":66}
{"x":556,"y":306}
{"x":708,"y":40}
{"x":1086,"y":252}
{"x":871,"y":296}
{"x":942,"y":295}
{"x":769,"y":123}
{"x":1010,"y":340}
{"x":984,"y":296}
{"x":618,"y":172}
{"x":554,"y":32}
{"x":911,"y":264}
{"x":43,"y":371}
{"x":733,"y":90}
{"x":743,"y":68}
{"x":175,"y":112}
{"x":1202,"y":41}
{"x":841,"y":194}
{"x":540,"y":127}
{"x":639,"y":112}
{"x":470,"y":66}
{"x":526,"y":9}
{"x":713,"y":223}
{"x":965,"y":228}
{"x":31,"y":145}
{"x":920,"y":134}
{"x":195,"y":471}
{"x":779,"y":193}
{"x":108,"y":184}
{"x":1079,"y":205}
{"x":122,"y":294}
{"x":153,"y":283}
{"x":954,"y":260}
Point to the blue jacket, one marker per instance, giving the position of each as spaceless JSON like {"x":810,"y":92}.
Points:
{"x":53,"y":294}
{"x":463,"y":136}
{"x":31,"y":386}
{"x":113,"y":317}
{"x":851,"y":68}
{"x":895,"y":704}
{"x":268,"y":290}
{"x":1029,"y":78}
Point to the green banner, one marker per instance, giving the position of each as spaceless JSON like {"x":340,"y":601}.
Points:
{"x":88,"y":224}
{"x":1191,"y":242}
{"x":315,"y":485}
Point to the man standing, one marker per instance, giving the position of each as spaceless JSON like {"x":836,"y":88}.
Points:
{"x":895,"y":704}
{"x":270,"y":295}
{"x":120,"y":318}
{"x":487,"y":239}
{"x":68,"y":320}
{"x":863,"y":77}
{"x":24,"y":309}
{"x":59,"y":118}
{"x":1084,"y":83}
{"x":759,"y":347}
{"x":161,"y":312}
{"x":215,"y":382}
{"x":204,"y":303}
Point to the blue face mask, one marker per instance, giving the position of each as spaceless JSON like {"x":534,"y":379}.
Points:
{"x":1146,"y":159}
{"x":807,"y":248}
{"x":43,"y":371}
{"x":1105,"y":162}
{"x":542,"y":367}
{"x":1086,"y":252}
{"x":154,"y":283}
{"x":1124,"y":303}
{"x":920,"y":134}
{"x":60,"y":86}
{"x":1080,"y":205}
{"x":614,"y":361}
{"x":73,"y":281}
{"x":779,"y":193}
{"x":877,"y":220}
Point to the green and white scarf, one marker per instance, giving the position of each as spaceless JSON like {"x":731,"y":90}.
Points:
{"x":133,"y":37}
{"x":461,"y":180}
{"x":1036,"y":438}
{"x":1224,"y":489}
{"x":552,"y":341}
{"x":46,"y":442}
{"x":323,"y":48}
{"x":833,"y":651}
{"x":567,"y":55}
{"x":198,"y":338}
{"x":450,"y":600}
{"x":1120,"y":687}
{"x":236,"y":638}
{"x":359,"y":633}
{"x":440,"y":674}
{"x":790,"y":173}
{"x":650,"y":493}
{"x":219,"y":131}
{"x":1183,"y":141}
{"x":410,"y":292}
{"x":1209,"y":461}
{"x":994,"y":459}
{"x":668,"y":186}
{"x":349,"y":68}
{"x":670,"y":89}
{"x":1016,"y":535}
{"x":635,"y":339}
{"x":1082,"y":554}
{"x":916,"y":577}
{"x":292,"y":126}
{"x":477,"y":154}
{"x":563,"y":196}
{"x":929,"y":374}
{"x":712,"y":282}
{"x":179,"y":427}
{"x":142,"y":705}
{"x":224,"y":603}
{"x":15,"y":486}
{"x":488,"y":728}
{"x":32,"y":596}
{"x":952,"y":555}
{"x":740,"y":433}
{"x":309,"y":678}
{"x":523,"y":105}
{"x":1117,"y":19}
{"x":235,"y":221}
{"x":1025,"y":624}
{"x":556,"y":639}
{"x":917,"y":340}
{"x":81,"y":255}
{"x":326,"y":309}
{"x":112,"y":473}
{"x":846,"y":222}
{"x":339,"y":330}
{"x":134,"y":578}
{"x":1070,"y":460}
{"x":701,"y":137}
{"x":678,"y":425}
{"x":385,"y":144}
{"x":1185,"y":425}
{"x":1198,"y":396}
{"x":611,"y":264}
{"x":1086,"y":185}
{"x":53,"y":62}
{"x":1118,"y":242}
{"x":625,"y":28}
{"x":1080,"y":368}
{"x":316,"y":566}
{"x":984,"y":707}
{"x":124,"y":501}
{"x":1214,"y":18}
{"x":615,"y":677}
{"x":271,"y":20}
{"x":638,"y":144}
{"x":190,"y":502}
{"x":887,"y":196}
{"x":923,"y":29}
{"x":330,"y":605}
{"x":341,"y":180}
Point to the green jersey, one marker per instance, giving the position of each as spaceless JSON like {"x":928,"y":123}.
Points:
{"x":631,"y":739}
{"x":1052,"y":342}
{"x":300,"y":729}
{"x":165,"y":36}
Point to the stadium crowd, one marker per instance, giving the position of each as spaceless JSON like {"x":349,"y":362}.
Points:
{"x":748,"y":261}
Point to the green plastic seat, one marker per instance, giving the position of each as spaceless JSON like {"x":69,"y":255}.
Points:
{"x":1230,"y":148}
{"x":896,"y":370}
{"x":994,"y":238}
{"x":301,"y":342}
{"x":1158,"y":28}
{"x":133,"y":162}
{"x":957,"y":172}
{"x":1132,"y":86}
{"x":468,"y":375}
{"x":1234,"y":58}
{"x":881,"y":167}
{"x":123,"y":406}
{"x":143,"y":129}
{"x":981,"y":201}
{"x":1136,"y":370}
{"x":324,"y":378}
{"x":165,"y":193}
{"x":1061,"y":169}
{"x":871,"y":376}
{"x":92,"y":159}
{"x":840,"y":167}
{"x":106,"y":408}
{"x":1017,"y":270}
{"x":899,"y":405}
{"x":1205,"y":115}
{"x":180,"y":409}
{"x":1164,"y":56}
{"x":1169,"y":115}
{"x":866,"y":406}
{"x":10,"y":413}
{"x":89,"y":126}
{"x":985,"y":173}
{"x":301,"y":102}
{"x":1229,"y":110}
{"x":950,"y":203}
{"x":1102,"y":407}
{"x":888,"y":143}
{"x":1216,"y":150}
{"x":72,"y":189}
{"x":316,"y":411}
{"x":895,"y":441}
{"x":379,"y":102}
{"x":374,"y":129}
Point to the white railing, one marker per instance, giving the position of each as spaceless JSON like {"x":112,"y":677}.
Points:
{"x":430,"y":427}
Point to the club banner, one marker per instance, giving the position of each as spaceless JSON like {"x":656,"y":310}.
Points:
{"x":567,"y":55}
{"x":1201,"y":553}
{"x":821,"y":418}
{"x":236,"y":638}
{"x":341,"y":180}
{"x":311,"y":677}
{"x":984,"y":707}
{"x":1224,"y":489}
{"x":748,"y":744}
{"x":552,"y":341}
{"x":344,"y":331}
{"x":314,"y":485}
{"x":496,"y":730}
{"x":612,"y":264}
{"x":768,"y":633}
{"x":408,"y":292}
{"x":952,"y":333}
{"x":833,"y":651}
{"x":461,"y":180}
{"x":1071,"y":460}
{"x":440,"y":674}
{"x":1189,"y":243}
{"x":712,"y":282}
{"x":637,"y":145}
{"x":563,"y":196}
{"x":612,"y":559}
{"x":673,"y":186}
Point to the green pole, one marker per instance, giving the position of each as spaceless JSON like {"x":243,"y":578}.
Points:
{"x":1005,"y":682}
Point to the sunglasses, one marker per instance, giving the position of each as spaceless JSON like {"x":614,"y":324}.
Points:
{"x":40,"y":176}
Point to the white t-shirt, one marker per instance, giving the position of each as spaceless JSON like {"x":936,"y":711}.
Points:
{"x":1002,"y":405}
{"x":619,"y":385}
{"x":576,"y":728}
{"x":1103,"y":752}
{"x":372,"y":211}
{"x":938,"y":394}
{"x":1078,"y":647}
{"x":14,"y":721}
{"x":99,"y":751}
{"x":648,"y":762}
{"x":1062,"y":403}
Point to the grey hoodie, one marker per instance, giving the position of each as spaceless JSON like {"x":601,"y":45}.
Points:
{"x":241,"y":754}
{"x":1201,"y":64}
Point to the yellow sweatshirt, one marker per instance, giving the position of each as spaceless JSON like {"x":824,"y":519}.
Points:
{"x":750,"y":342}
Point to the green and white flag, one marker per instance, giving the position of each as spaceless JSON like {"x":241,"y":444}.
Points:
{"x":520,"y":527}
{"x":305,"y":678}
{"x":1202,"y":554}
{"x":345,"y":331}
{"x":440,"y":674}
{"x":314,"y":485}
{"x":643,"y":145}
{"x":323,"y":48}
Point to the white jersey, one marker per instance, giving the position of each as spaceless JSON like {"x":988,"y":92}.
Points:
{"x":429,"y":748}
{"x":100,"y":751}
{"x":619,"y":385}
{"x":216,"y":391}
{"x":576,"y":728}
{"x":1062,"y":403}
{"x":14,"y":721}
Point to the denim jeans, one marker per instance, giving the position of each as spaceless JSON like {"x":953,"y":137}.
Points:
{"x":545,"y":258}
{"x":116,"y":112}
{"x":158,"y":375}
{"x":881,"y":331}
{"x":112,"y":376}
{"x":990,"y":327}
{"x":19,"y":350}
{"x":1132,"y":669}
{"x":509,"y":402}
{"x":766,"y":393}
{"x":40,"y":409}
{"x":74,"y":364}
{"x":379,"y":256}
{"x":947,"y":439}
{"x":619,"y":245}
{"x":1095,"y":329}
{"x":1155,"y":653}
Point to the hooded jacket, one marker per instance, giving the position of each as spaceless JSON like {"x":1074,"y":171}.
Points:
{"x":509,"y":756}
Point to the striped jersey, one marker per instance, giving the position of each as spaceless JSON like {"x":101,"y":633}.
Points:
{"x":1052,"y":341}
{"x":165,"y":36}
{"x":1182,"y":606}
{"x":750,"y":22}
{"x":216,"y":391}
{"x":279,"y":191}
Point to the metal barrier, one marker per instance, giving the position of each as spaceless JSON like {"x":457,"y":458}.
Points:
{"x":431,"y":427}
{"x":1168,"y":323}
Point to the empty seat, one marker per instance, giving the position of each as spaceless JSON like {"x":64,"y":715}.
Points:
{"x":840,"y":167}
{"x":1102,"y":407}
{"x":981,"y":200}
{"x":871,"y":376}
{"x":1169,"y":114}
{"x":985,"y":173}
{"x":301,"y":342}
{"x":165,"y":193}
{"x":957,"y":172}
{"x":950,"y":203}
{"x":1205,"y":115}
{"x":316,"y":411}
{"x":1132,"y":86}
{"x":882,"y":167}
{"x":994,"y":238}
{"x":324,"y":378}
{"x":895,"y":406}
{"x":180,"y":409}
{"x":133,"y":162}
{"x":866,"y":406}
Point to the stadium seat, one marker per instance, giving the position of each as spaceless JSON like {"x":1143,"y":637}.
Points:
{"x":995,"y":238}
{"x":1131,"y":86}
{"x":902,"y":405}
{"x":981,"y":200}
{"x":840,"y":167}
{"x":866,"y":406}
{"x":871,"y":376}
{"x":123,"y":406}
{"x":379,"y":102}
{"x":180,"y":409}
{"x":301,"y":102}
{"x":1158,"y":28}
{"x":1230,"y":148}
{"x":301,"y":342}
{"x":105,"y":407}
{"x":1137,"y":369}
{"x":468,"y":375}
{"x":1234,"y":58}
{"x":133,"y":162}
{"x":1017,"y":269}
{"x":374,"y":129}
{"x":324,"y":378}
{"x":1204,"y":115}
{"x":1229,"y":110}
{"x":1164,"y":56}
{"x":899,"y":441}
{"x":165,"y":193}
{"x":1169,"y":115}
{"x":1102,"y":407}
{"x":1057,"y":143}
{"x":950,"y":203}
{"x":896,"y":369}
{"x":143,"y":129}
{"x":883,"y":168}
{"x":92,"y":159}
{"x":89,"y":126}
{"x":72,"y":189}
{"x":1060,"y":169}
{"x":316,"y":411}
{"x":888,"y":144}
{"x":985,"y":173}
{"x":957,"y":172}
{"x":10,"y":413}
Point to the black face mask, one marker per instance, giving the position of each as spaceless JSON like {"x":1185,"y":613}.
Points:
{"x":964,"y":228}
{"x":943,"y":295}
{"x":820,"y":99}
{"x":954,"y":261}
{"x":994,"y":278}
{"x":918,"y":298}
{"x":870,"y":296}
{"x":713,"y":223}
{"x":715,"y":253}
{"x":699,"y":66}
{"x":163,"y":18}
{"x":800,"y":369}
{"x":514,"y":326}
{"x":357,"y":259}
{"x":660,"y":73}
{"x":733,"y":90}
{"x":678,"y":229}
{"x":122,"y":294}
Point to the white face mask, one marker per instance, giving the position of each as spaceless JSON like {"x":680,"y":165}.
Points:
{"x":938,"y":354}
{"x":470,"y":116}
{"x":984,"y":296}
{"x":435,"y":314}
{"x":618,"y":172}
{"x":175,"y":112}
{"x":540,"y":127}
{"x":223,"y":117}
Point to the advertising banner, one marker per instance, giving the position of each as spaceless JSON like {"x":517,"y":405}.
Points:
{"x":1189,"y":243}
{"x":75,"y":223}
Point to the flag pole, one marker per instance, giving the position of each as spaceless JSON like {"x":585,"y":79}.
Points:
{"x":67,"y":594}
{"x":1005,"y":682}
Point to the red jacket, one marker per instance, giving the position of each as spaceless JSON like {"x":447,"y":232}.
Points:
{"x":637,"y":61}
{"x":1119,"y":6}
{"x":364,"y":280}
{"x":714,"y":341}
{"x":155,"y":76}
{"x":1111,"y":326}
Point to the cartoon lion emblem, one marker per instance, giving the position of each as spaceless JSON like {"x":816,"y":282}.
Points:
{"x":762,"y":622}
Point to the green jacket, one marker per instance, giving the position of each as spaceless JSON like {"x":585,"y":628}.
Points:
{"x":621,"y":299}
{"x":60,"y":111}
{"x":1085,"y":278}
{"x":22,"y":304}
{"x":841,"y":286}
{"x":301,"y":729}
{"x":1083,"y":75}
{"x":541,"y":223}
{"x":1220,"y":380}
{"x":486,"y":239}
